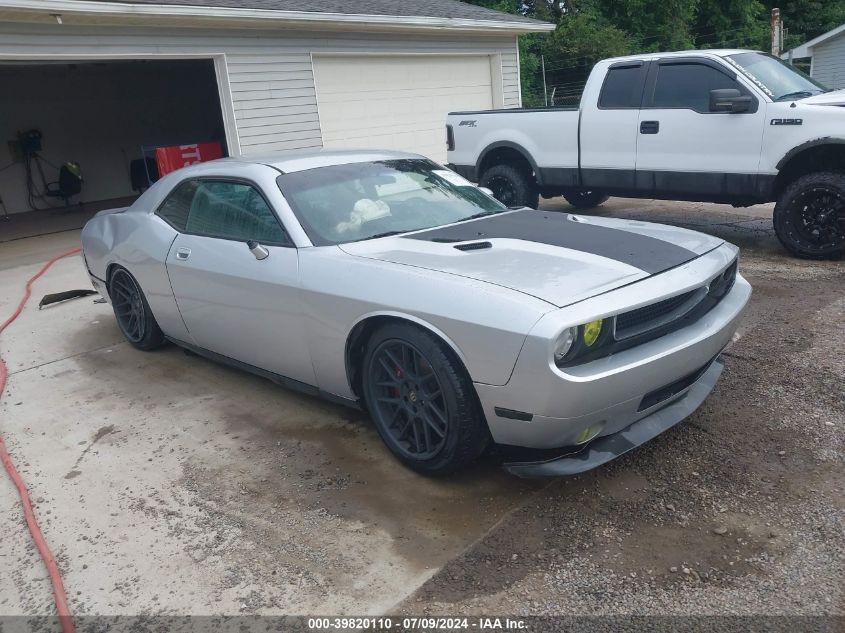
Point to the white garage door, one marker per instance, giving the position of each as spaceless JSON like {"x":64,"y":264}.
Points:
{"x":398,"y":102}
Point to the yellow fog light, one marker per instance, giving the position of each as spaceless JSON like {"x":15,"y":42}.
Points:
{"x":592,"y":331}
{"x":589,"y":433}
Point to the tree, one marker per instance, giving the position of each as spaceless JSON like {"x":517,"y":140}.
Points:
{"x":589,"y":30}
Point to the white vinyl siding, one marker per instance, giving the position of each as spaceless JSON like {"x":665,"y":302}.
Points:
{"x":398,"y":102}
{"x":269,"y":72}
{"x":829,"y":62}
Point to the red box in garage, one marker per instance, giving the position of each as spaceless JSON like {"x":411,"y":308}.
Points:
{"x":177,"y":156}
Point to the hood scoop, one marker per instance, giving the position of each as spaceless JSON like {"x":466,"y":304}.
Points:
{"x":474,"y":246}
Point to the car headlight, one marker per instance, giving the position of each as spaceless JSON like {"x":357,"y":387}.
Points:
{"x":579,"y":342}
{"x":564,"y":343}
{"x":592,"y":331}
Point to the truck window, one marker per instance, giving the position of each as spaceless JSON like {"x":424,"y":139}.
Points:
{"x":623,"y":87}
{"x":688,"y":86}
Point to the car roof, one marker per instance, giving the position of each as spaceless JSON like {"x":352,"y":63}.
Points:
{"x":301,"y":160}
{"x":706,"y":52}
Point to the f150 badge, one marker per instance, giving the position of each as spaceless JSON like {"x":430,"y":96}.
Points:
{"x":787,"y":122}
{"x":468,"y":123}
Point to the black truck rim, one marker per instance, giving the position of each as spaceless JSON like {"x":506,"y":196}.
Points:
{"x":503,"y":190}
{"x":819,"y":215}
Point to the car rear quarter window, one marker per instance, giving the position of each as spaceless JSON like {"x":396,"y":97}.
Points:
{"x":233,"y":211}
{"x":623,"y":87}
{"x":688,"y":86}
{"x":174,"y":209}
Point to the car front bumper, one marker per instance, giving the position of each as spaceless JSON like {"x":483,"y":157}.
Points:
{"x":609,"y":447}
{"x":544,"y":407}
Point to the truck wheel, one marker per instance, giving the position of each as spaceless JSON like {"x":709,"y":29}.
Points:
{"x":511,"y":186}
{"x":585,"y":199}
{"x":809,"y":216}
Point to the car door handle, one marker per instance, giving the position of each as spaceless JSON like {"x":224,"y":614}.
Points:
{"x":183,"y":253}
{"x":649,"y":127}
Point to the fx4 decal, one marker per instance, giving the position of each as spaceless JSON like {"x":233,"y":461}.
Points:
{"x":787,"y":122}
{"x":468,"y":123}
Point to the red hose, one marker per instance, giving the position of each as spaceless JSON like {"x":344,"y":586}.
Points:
{"x":59,"y":594}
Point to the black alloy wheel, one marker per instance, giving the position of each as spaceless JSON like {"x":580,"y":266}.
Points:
{"x":585,"y":199}
{"x":819,"y":216}
{"x":512,"y":185}
{"x":422,"y":400}
{"x":503,"y":190}
{"x":128,"y":306}
{"x":133,"y":314}
{"x":810,"y":216}
{"x":408,"y":400}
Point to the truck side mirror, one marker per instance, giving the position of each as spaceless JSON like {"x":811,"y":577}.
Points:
{"x":729,"y":100}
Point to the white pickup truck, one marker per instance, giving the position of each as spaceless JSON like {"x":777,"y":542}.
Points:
{"x":731,"y":126}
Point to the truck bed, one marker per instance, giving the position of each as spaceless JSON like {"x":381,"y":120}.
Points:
{"x":548,"y":135}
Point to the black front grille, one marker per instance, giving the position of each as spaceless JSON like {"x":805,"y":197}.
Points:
{"x":665,"y":315}
{"x":636,"y":320}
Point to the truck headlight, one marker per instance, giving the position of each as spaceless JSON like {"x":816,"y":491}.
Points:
{"x":565,"y":341}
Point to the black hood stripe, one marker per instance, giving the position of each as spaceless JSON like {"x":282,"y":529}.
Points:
{"x":557,"y":229}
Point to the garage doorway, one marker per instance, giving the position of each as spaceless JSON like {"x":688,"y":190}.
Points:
{"x":400,"y":101}
{"x":99,"y":114}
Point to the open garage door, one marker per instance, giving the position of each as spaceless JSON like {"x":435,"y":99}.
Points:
{"x":398,"y":102}
{"x":99,"y":115}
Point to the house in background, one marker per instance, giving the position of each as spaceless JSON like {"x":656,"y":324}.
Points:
{"x":97,"y":80}
{"x":827,"y":57}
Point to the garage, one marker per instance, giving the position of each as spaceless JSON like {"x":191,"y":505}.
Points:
{"x":398,"y":102}
{"x":101,"y":118}
{"x":101,"y":84}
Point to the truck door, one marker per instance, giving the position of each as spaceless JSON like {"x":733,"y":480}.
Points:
{"x":608,"y":130}
{"x":687,"y":151}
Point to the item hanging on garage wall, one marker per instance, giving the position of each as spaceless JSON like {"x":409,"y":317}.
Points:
{"x":177,"y":156}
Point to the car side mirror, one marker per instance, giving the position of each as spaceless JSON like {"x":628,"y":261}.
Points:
{"x":260,"y":252}
{"x":729,"y":100}
{"x":489,"y":192}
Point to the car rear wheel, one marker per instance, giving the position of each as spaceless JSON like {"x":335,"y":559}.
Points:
{"x":512,"y":186}
{"x":585,"y":199}
{"x":809,"y":216}
{"x":421,"y":400}
{"x":133,"y":314}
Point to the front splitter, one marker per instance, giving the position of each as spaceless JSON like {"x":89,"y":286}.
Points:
{"x":605,"y":449}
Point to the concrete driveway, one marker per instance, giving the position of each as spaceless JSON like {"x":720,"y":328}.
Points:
{"x":168,"y":484}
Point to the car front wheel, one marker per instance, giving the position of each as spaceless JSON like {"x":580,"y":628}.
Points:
{"x":809,"y":216}
{"x":422,"y":401}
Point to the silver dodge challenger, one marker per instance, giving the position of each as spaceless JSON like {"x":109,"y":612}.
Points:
{"x":387,"y":282}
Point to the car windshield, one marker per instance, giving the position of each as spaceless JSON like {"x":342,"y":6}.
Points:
{"x":359,"y":201}
{"x":775,"y":77}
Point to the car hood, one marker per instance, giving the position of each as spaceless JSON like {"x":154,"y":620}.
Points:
{"x":832,"y":98}
{"x":557,"y":257}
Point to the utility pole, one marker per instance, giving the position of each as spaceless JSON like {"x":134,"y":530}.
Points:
{"x":777,"y":32}
{"x":545,"y":90}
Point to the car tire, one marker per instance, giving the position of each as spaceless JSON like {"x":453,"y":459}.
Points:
{"x":585,"y":199}
{"x":133,"y":314}
{"x":809,"y":216}
{"x":512,"y":186}
{"x":422,"y":401}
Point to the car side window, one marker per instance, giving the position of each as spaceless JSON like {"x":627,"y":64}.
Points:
{"x":174,"y":209}
{"x":688,"y":86}
{"x":623,"y":87}
{"x":234,"y":211}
